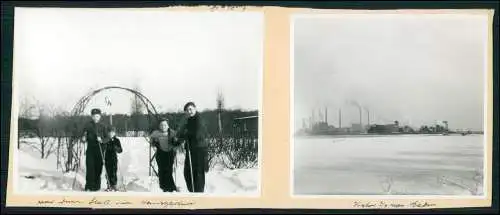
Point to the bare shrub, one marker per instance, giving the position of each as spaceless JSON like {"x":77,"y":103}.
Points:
{"x":387,"y":185}
{"x":233,"y":152}
{"x":475,"y":188}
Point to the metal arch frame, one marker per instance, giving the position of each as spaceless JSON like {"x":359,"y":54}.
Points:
{"x":79,"y":108}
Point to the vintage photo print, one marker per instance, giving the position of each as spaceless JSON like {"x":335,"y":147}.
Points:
{"x":137,"y":102}
{"x":389,"y":104}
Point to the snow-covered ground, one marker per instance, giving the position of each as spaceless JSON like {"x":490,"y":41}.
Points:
{"x":36,"y":174}
{"x":396,"y":165}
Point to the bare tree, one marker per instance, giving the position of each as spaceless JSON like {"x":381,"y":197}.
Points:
{"x":26,"y":112}
{"x":26,"y":108}
{"x":220,"y":109}
{"x":216,"y":147}
{"x":63,"y":130}
{"x":44,"y":129}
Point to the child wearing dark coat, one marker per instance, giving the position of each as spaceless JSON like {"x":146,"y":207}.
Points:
{"x":112,"y":148}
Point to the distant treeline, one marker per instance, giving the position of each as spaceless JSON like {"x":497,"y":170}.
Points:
{"x":65,"y":125}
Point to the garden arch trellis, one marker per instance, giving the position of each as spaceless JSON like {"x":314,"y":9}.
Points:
{"x":75,"y":146}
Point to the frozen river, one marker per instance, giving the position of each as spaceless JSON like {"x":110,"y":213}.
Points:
{"x":395,"y":165}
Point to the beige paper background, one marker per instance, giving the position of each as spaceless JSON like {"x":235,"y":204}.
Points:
{"x":275,"y":131}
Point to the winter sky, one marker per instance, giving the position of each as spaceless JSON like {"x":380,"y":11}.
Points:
{"x":172,"y":57}
{"x":417,"y":69}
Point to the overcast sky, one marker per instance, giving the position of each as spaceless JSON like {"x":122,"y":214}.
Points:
{"x":413,"y":68}
{"x":173,"y":57}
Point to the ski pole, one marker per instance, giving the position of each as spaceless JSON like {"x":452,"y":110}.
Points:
{"x":108,"y":180}
{"x":103,"y":162}
{"x":175,"y":172}
{"x":190,"y":165}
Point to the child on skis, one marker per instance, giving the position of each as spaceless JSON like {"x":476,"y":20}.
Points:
{"x":165,"y":141}
{"x":112,"y":148}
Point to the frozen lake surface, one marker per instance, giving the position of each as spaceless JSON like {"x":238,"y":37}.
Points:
{"x":389,"y":165}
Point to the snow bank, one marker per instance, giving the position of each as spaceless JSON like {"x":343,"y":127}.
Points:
{"x":36,"y":174}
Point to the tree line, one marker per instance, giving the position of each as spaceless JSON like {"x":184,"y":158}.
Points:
{"x":65,"y":125}
{"x":56,"y":129}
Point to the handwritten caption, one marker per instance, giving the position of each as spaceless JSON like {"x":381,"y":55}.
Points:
{"x":106,"y":202}
{"x":385,"y":204}
{"x":230,"y":7}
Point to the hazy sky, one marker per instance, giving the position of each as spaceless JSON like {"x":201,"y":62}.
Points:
{"x":412,"y":68}
{"x":173,"y":57}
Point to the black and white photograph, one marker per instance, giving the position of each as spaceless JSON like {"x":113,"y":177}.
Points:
{"x":141,"y":101}
{"x":388,"y":104}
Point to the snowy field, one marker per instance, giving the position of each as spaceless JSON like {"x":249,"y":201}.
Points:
{"x":36,"y":174}
{"x":389,"y":165}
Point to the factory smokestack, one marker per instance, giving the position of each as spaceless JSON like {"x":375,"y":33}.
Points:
{"x":326,"y":115}
{"x":320,"y":115}
{"x":368,"y":117}
{"x":340,"y":118}
{"x":312,"y":116}
{"x":360,"y":117}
